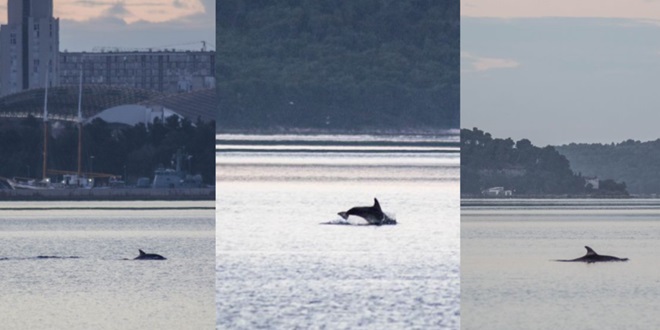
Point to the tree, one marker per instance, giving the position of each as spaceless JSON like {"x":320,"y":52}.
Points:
{"x":487,"y":162}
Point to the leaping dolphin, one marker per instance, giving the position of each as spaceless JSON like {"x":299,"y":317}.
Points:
{"x":373,"y":214}
{"x":592,"y":256}
{"x":149,"y":256}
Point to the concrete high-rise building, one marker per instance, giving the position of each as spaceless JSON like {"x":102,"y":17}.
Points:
{"x":167,"y":71}
{"x":29,"y":46}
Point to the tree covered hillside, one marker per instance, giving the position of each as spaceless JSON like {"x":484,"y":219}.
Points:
{"x":338,"y":64}
{"x":637,"y":163}
{"x":520,"y":166}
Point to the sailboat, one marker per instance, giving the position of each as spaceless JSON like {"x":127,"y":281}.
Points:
{"x":70,"y":179}
{"x":44,"y":183}
{"x":78,"y":180}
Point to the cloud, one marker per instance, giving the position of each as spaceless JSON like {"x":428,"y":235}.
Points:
{"x":111,"y":32}
{"x":655,"y":22}
{"x":480,"y":64}
{"x":118,"y":11}
{"x":631,"y":9}
{"x":123,"y":24}
{"x":178,"y":4}
{"x":130,"y":11}
{"x":92,"y":3}
{"x":85,"y":24}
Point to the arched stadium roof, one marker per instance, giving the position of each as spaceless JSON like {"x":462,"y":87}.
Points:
{"x":201,"y":104}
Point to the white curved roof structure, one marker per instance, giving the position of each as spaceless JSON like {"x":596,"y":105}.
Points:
{"x":132,"y":114}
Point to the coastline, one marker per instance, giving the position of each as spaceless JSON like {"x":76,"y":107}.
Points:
{"x":114,"y":194}
{"x":339,"y":131}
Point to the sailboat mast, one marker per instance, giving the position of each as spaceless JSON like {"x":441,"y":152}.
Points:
{"x":80,"y":124}
{"x":45,"y":152}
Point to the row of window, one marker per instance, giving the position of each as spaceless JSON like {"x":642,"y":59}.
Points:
{"x":36,"y":33}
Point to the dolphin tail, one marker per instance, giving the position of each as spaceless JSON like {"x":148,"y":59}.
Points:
{"x":344,"y":215}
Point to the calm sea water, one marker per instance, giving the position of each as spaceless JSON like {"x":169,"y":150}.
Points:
{"x":510,"y":281}
{"x":279,"y":268}
{"x":86,"y":283}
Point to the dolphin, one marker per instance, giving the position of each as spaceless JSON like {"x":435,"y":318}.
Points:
{"x":373,"y":214}
{"x":592,"y":256}
{"x":149,"y":256}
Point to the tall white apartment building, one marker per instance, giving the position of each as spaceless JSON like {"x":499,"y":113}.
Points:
{"x":29,"y":46}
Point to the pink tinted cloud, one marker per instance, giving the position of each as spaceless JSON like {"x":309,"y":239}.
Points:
{"x":631,"y":9}
{"x":129,"y":11}
{"x":480,"y":63}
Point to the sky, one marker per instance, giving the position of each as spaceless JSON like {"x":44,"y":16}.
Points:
{"x":561,"y":71}
{"x":86,"y":24}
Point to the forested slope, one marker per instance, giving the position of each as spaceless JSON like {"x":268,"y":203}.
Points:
{"x":338,"y":64}
{"x":520,"y":166}
{"x":637,"y":163}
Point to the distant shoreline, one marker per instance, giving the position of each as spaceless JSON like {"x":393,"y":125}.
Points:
{"x":565,"y":196}
{"x":113,"y":194}
{"x":312,"y":131}
{"x":479,"y":204}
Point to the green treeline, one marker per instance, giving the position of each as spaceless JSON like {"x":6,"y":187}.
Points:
{"x":136,"y":151}
{"x":521,"y":167}
{"x":637,"y":163}
{"x":338,"y":64}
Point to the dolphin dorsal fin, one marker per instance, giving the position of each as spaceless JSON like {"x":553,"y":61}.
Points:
{"x":141,"y":252}
{"x":590,"y":251}
{"x":377,"y":205}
